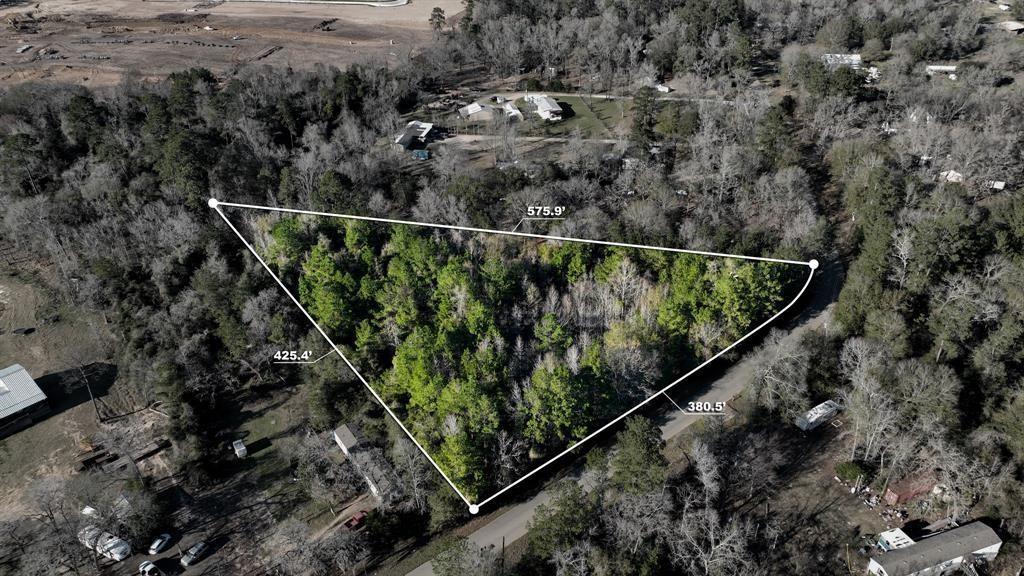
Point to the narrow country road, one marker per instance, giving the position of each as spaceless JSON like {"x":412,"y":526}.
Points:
{"x":817,"y":306}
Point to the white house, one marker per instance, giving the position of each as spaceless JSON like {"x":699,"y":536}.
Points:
{"x":546,"y":106}
{"x":943,"y":553}
{"x":414,"y":131}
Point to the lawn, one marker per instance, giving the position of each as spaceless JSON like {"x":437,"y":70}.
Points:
{"x":595,"y":118}
{"x":266,"y":432}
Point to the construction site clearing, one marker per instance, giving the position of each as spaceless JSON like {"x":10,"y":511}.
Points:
{"x":98,"y":42}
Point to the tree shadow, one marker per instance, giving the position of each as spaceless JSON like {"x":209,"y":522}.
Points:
{"x":258,"y":446}
{"x":15,"y":3}
{"x":67,"y":389}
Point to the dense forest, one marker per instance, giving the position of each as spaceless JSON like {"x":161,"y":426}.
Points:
{"x":497,"y":350}
{"x":803,"y":160}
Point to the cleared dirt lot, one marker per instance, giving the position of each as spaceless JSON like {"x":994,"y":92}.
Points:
{"x":95,"y":42}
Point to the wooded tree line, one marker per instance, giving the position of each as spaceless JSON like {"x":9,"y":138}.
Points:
{"x":480,"y":339}
{"x":629,"y":515}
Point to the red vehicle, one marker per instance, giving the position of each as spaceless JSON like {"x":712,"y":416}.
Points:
{"x":356,"y":521}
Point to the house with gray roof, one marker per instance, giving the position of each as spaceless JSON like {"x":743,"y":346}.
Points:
{"x":22,"y":403}
{"x":943,"y":553}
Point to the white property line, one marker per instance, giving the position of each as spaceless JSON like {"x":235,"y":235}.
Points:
{"x":813,"y":265}
{"x":214,"y":204}
{"x":507,"y":233}
{"x":475,"y":508}
{"x":516,"y":227}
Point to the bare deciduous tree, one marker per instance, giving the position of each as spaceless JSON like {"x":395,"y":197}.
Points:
{"x":780,"y":374}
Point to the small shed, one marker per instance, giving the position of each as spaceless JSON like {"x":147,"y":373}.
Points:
{"x":817,"y":416}
{"x":907,"y":489}
{"x":512,"y":111}
{"x":473,"y":108}
{"x":240,"y":450}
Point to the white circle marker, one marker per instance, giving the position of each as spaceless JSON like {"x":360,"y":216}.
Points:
{"x":212,"y":202}
{"x":473,"y":509}
{"x":813,"y":264}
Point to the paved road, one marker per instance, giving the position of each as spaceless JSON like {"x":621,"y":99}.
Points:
{"x":511,"y":525}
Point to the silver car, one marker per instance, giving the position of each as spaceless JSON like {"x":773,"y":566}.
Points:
{"x":194,"y":554}
{"x":159,"y":544}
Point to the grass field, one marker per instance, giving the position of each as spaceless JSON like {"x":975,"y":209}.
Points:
{"x":595,"y":118}
{"x":267,"y":433}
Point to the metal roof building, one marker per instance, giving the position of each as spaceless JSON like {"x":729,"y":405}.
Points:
{"x":547,"y":107}
{"x":817,"y":416}
{"x":19,"y":396}
{"x":370,"y":462}
{"x":834,"y":61}
{"x":943,"y":553}
{"x":414,"y":131}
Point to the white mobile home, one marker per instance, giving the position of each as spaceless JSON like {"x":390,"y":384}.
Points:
{"x":944,"y":553}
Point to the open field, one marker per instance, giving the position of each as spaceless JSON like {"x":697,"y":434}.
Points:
{"x":593,"y":117}
{"x":57,"y":344}
{"x":96,"y":42}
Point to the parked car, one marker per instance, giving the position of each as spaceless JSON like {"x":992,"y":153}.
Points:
{"x":160,"y":543}
{"x":356,"y":522}
{"x":194,"y":554}
{"x":147,"y":568}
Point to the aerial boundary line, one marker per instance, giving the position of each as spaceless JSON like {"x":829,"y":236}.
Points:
{"x":217,"y":203}
{"x":213,"y":204}
{"x":813,"y":265}
{"x":475,"y":508}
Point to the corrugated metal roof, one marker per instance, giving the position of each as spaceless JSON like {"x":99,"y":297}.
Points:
{"x":17,"y":391}
{"x":935,"y":550}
